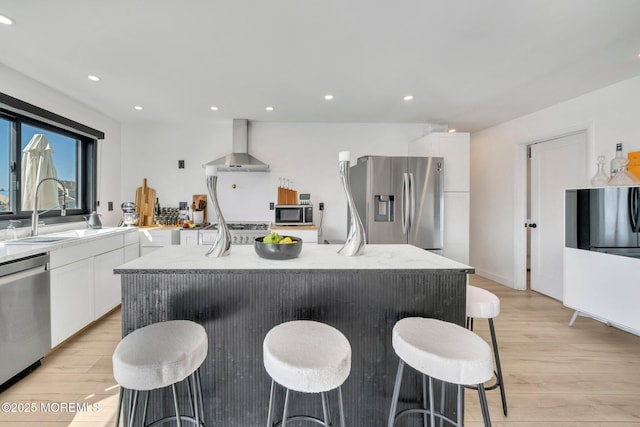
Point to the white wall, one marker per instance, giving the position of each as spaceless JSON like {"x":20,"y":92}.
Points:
{"x":306,"y":153}
{"x":26,"y":89}
{"x":610,"y":114}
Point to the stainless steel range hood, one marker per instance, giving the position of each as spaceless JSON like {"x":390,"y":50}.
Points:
{"x":239,"y":160}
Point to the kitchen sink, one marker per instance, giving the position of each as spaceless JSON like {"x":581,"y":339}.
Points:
{"x":38,"y":240}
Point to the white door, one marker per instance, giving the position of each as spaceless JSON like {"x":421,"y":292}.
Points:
{"x":556,"y":164}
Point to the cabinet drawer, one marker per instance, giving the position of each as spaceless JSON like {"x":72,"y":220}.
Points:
{"x":131,"y":237}
{"x":159,"y":237}
{"x":85,"y":250}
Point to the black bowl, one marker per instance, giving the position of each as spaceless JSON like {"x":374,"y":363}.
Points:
{"x":278,"y":250}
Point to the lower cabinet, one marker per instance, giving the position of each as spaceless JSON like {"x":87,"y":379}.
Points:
{"x":71,"y":299}
{"x":152,"y":239}
{"x":83,"y":286}
{"x":106,"y":284}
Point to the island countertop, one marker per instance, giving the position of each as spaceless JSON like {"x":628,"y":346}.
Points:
{"x":181,"y":259}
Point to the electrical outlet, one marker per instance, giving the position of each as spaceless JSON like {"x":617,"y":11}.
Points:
{"x":110,"y":206}
{"x":272,"y":206}
{"x":321,"y":206}
{"x":180,"y":164}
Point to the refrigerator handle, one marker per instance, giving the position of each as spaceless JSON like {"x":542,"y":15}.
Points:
{"x":405,"y":200}
{"x":412,"y":195}
{"x":634,"y":208}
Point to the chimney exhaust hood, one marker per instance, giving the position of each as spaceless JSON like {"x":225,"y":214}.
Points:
{"x":239,"y":160}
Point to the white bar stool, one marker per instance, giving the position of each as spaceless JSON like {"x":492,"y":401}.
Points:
{"x":308,"y":357}
{"x":482,"y":304}
{"x":161,"y":355}
{"x":446,"y":352}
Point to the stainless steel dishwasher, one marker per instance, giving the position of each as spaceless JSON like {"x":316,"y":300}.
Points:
{"x":25,"y":316}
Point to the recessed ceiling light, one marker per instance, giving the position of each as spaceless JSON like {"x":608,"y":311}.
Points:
{"x":6,"y":20}
{"x":269,"y":108}
{"x":408,"y":97}
{"x":93,"y":78}
{"x":328,"y":97}
{"x":137,"y":107}
{"x":214,"y":108}
{"x":452,"y":130}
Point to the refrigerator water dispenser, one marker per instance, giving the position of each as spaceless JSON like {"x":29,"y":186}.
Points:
{"x":384,"y":208}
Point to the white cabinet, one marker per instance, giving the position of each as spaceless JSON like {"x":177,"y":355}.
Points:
{"x":456,"y":226}
{"x":83,"y":286}
{"x":603,"y":286}
{"x":188,"y":237}
{"x":131,"y":246}
{"x":152,"y":239}
{"x":71,"y":299}
{"x":106,"y":284}
{"x":454,"y":148}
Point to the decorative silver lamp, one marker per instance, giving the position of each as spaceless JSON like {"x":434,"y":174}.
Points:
{"x":222,"y":244}
{"x":356,"y":237}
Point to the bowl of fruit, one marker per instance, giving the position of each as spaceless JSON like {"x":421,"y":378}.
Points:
{"x":275,"y":246}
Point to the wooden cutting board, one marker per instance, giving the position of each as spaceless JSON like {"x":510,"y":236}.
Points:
{"x":145,"y":199}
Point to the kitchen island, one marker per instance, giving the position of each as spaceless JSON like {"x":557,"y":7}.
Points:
{"x":239,"y":298}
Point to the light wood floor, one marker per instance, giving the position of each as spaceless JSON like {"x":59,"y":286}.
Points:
{"x":556,"y":376}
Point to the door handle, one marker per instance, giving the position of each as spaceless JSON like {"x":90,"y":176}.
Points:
{"x":532,"y":225}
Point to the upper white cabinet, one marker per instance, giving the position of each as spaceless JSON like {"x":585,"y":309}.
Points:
{"x":454,"y":148}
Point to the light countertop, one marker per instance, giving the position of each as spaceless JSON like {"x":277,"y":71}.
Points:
{"x":184,"y":259}
{"x":10,"y":251}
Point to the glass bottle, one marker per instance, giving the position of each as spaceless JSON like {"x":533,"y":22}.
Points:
{"x":619,"y":161}
{"x":600,"y":179}
{"x":12,"y":232}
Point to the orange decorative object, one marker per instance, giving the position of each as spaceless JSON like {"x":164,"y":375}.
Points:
{"x":634,"y":163}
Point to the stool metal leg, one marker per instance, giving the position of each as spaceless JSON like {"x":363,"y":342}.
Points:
{"x":459,"y":408}
{"x":325,"y":413}
{"x":341,"y":408}
{"x":432,"y":415}
{"x":133,"y":408}
{"x":498,"y":367}
{"x":175,"y":404}
{"x":120,"y":399}
{"x":484,"y":406}
{"x":284,"y":412}
{"x":442,"y":402}
{"x":201,"y":404}
{"x":396,"y":393}
{"x":146,"y":407}
{"x":272,"y":396}
{"x":424,"y":400}
{"x":192,"y":383}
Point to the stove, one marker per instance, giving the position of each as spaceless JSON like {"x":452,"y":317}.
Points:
{"x":242,"y":232}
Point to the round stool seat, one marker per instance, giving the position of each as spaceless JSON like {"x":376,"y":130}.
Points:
{"x":443,"y":350}
{"x":482,"y":304}
{"x":307,"y":356}
{"x":159,"y":354}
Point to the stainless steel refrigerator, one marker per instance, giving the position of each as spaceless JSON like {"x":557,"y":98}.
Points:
{"x":604,"y":220}
{"x":399,"y":199}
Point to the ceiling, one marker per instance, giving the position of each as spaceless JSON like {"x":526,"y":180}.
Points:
{"x":469,"y":64}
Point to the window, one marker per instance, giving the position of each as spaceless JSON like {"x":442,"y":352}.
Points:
{"x":5,"y":201}
{"x":32,"y":150}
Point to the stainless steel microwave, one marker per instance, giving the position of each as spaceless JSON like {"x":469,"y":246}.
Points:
{"x":294,"y":215}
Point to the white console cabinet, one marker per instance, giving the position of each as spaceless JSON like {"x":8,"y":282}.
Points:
{"x":603,"y":286}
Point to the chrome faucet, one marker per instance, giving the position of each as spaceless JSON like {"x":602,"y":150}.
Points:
{"x":35,"y":215}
